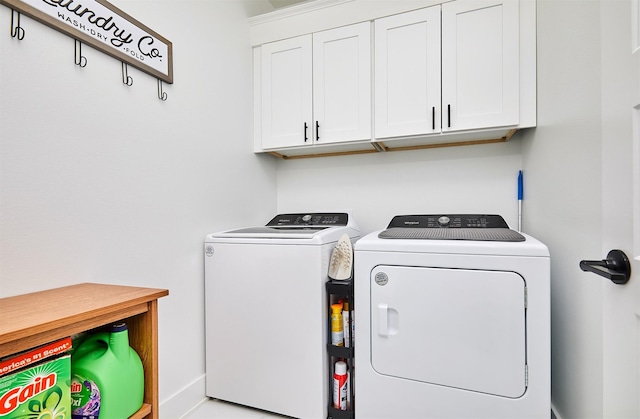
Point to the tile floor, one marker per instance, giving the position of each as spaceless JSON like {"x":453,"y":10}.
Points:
{"x":218,"y":409}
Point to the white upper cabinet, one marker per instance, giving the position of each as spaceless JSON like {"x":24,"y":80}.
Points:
{"x":480,"y":64}
{"x":316,"y":89}
{"x":462,"y":71}
{"x":407,"y":74}
{"x":286,"y":93}
{"x":476,"y":46}
{"x":342,"y":84}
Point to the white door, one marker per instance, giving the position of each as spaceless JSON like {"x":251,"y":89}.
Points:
{"x":407,"y":74}
{"x":342,"y":84}
{"x":621,"y":205}
{"x":286,"y":93}
{"x":480,"y":64}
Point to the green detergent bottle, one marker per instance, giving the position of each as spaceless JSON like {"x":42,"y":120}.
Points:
{"x":107,"y":378}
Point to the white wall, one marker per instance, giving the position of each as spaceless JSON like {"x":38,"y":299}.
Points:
{"x":100,"y":182}
{"x":375,"y":187}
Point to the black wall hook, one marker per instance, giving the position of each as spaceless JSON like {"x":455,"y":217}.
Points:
{"x":79,"y":59}
{"x":16,"y":29}
{"x":126,"y":78}
{"x":615,"y":267}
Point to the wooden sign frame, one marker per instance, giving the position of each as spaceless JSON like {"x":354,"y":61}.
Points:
{"x":106,"y":28}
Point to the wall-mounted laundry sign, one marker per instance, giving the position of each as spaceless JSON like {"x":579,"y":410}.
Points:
{"x":106,"y":28}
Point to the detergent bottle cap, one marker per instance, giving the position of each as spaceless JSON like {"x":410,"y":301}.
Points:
{"x":336,"y":308}
{"x":341,"y":368}
{"x":118,"y":327}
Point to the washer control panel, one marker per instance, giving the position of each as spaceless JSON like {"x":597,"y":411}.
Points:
{"x":448,"y":221}
{"x":324,"y":219}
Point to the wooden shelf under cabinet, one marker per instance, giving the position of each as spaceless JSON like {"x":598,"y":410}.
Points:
{"x":37,"y":318}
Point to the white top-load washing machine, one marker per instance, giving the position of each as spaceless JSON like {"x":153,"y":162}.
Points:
{"x":266,"y":312}
{"x":453,"y":320}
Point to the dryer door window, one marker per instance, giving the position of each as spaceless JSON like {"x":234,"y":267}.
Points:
{"x":452,"y":327}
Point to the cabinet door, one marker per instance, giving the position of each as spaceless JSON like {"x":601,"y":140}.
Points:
{"x":407,"y":74}
{"x":286,"y":93}
{"x":480,"y":67}
{"x":342,"y":84}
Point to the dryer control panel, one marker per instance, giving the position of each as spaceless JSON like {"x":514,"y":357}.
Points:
{"x":448,"y":221}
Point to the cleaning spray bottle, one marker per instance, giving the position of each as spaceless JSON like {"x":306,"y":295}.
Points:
{"x":337,"y":327}
{"x":340,"y":385}
{"x":107,"y":378}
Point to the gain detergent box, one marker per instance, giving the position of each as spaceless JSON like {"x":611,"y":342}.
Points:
{"x":38,"y":392}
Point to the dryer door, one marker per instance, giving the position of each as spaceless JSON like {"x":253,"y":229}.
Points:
{"x":452,"y":327}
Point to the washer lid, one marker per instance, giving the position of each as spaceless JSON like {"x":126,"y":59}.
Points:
{"x":299,"y":232}
{"x":306,"y":226}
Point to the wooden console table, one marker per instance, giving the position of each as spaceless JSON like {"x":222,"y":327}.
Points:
{"x":34,"y":319}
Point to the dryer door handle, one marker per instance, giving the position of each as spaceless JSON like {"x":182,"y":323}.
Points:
{"x":383,"y":320}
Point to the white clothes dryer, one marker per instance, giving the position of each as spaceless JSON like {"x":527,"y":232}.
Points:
{"x":452,"y":320}
{"x":266,"y":312}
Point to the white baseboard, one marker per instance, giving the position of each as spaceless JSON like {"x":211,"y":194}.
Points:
{"x":182,"y":402}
